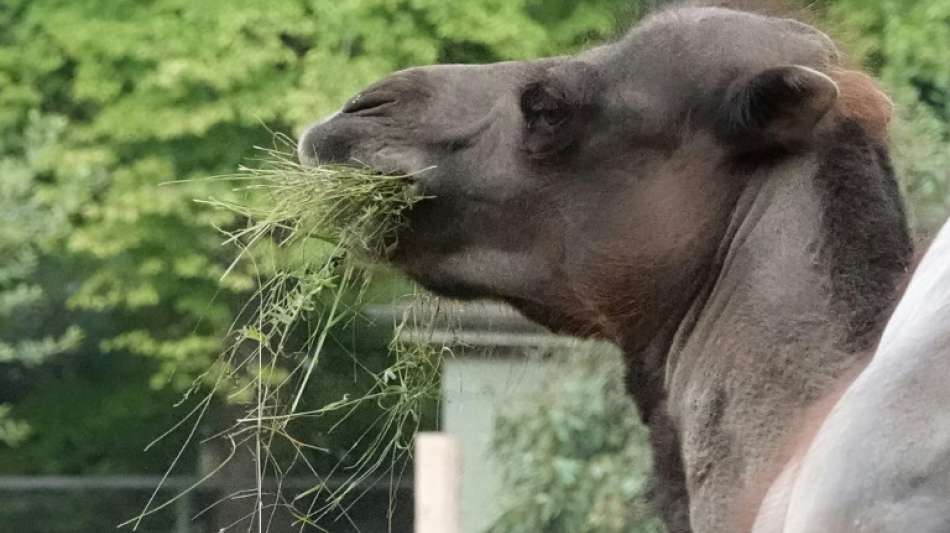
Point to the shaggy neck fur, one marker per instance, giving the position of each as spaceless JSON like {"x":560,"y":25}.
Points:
{"x":804,"y":281}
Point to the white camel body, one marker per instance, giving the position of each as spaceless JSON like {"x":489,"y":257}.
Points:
{"x":880,"y":461}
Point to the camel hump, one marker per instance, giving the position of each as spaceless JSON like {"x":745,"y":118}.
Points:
{"x":881,"y":460}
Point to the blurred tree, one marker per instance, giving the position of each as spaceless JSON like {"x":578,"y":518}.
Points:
{"x":30,"y":221}
{"x":27,"y":336}
{"x":104,"y":101}
{"x":577,"y":459}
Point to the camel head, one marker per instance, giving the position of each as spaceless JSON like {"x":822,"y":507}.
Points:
{"x":591,"y":191}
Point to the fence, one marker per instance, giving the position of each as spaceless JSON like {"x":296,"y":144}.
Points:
{"x":497,"y":339}
{"x":94,"y":504}
{"x":437,"y":477}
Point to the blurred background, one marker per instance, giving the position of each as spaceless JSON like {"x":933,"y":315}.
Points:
{"x":111,"y":298}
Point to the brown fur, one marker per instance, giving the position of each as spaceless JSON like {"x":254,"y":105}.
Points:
{"x":862,"y":100}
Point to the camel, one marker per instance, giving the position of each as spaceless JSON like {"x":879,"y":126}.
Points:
{"x":713,"y":193}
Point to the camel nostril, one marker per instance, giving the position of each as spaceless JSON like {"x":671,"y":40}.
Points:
{"x":365,"y":103}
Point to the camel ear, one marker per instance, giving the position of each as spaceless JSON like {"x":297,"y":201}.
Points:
{"x":776,"y":108}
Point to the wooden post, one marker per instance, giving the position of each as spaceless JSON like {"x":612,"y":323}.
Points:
{"x":438,"y":460}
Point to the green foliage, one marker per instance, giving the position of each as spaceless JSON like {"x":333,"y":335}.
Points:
{"x":99,"y":418}
{"x":922,"y":157}
{"x":905,"y":43}
{"x":30,"y":222}
{"x":902,"y":40}
{"x":105,"y":101}
{"x":577,"y":459}
{"x":12,"y":432}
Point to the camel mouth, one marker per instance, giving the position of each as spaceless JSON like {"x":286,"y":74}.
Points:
{"x":398,"y":210}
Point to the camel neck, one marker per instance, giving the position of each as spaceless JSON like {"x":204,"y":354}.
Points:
{"x":774,"y":330}
{"x":758,"y":347}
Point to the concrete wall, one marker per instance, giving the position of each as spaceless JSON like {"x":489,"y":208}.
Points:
{"x":475,"y":388}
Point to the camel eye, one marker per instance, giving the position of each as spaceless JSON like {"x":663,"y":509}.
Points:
{"x":552,"y":117}
{"x":548,"y":116}
{"x":543,"y":106}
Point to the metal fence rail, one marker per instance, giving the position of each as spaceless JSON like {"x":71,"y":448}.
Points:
{"x":25,"y":498}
